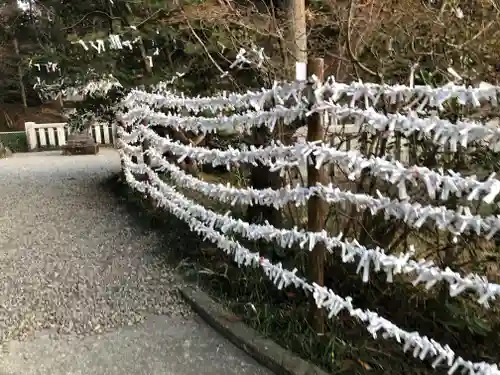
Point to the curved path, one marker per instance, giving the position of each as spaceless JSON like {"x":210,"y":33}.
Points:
{"x":81,"y":291}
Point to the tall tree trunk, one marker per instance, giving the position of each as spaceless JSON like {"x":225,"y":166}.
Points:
{"x":20,"y":73}
{"x":262,"y":178}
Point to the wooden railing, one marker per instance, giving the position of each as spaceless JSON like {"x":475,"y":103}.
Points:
{"x":54,"y":135}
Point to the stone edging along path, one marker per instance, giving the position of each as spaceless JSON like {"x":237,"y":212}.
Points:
{"x":265,"y":351}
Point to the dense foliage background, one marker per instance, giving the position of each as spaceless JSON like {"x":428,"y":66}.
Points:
{"x":368,"y":39}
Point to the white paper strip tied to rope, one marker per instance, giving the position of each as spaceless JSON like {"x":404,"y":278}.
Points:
{"x":222,"y":102}
{"x":352,"y":162}
{"x":424,"y":96}
{"x":423,"y":347}
{"x":413,"y":214}
{"x":113,"y":41}
{"x":375,"y":258}
{"x":441,"y":132}
{"x":129,"y":149}
{"x":277,"y":198}
{"x":210,"y":156}
{"x":238,"y":123}
{"x":164,"y":87}
{"x":368,"y":93}
{"x":100,"y":87}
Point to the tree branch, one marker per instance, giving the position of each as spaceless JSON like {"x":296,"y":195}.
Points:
{"x":88,"y":14}
{"x":349,"y":44}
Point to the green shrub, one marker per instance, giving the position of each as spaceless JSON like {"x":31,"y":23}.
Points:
{"x":15,"y":141}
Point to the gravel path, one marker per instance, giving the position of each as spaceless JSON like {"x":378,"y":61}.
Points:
{"x":71,"y":261}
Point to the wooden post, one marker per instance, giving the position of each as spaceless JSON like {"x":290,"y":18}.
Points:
{"x":300,"y":38}
{"x":316,"y":207}
{"x":262,"y":178}
{"x":143,"y":158}
{"x":145,"y":147}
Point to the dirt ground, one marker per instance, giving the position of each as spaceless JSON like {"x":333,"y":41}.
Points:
{"x":13,"y":116}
